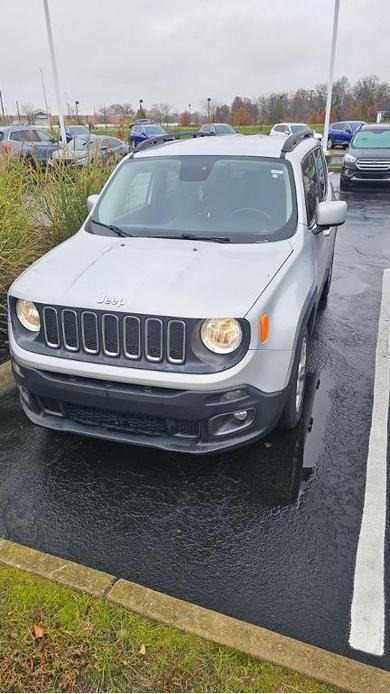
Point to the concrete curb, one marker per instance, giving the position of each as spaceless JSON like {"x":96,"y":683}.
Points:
{"x":7,"y":383}
{"x":316,"y":663}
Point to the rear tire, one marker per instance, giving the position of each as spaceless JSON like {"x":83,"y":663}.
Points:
{"x":296,"y":390}
{"x":330,"y":144}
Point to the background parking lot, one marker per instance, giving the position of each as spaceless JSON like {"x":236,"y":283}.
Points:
{"x":267,"y":533}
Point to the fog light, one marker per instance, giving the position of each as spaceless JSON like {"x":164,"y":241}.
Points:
{"x":240,"y":415}
{"x":230,"y":423}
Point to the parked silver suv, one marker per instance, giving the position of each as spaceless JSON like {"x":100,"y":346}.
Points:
{"x":180,"y":315}
{"x":28,"y":143}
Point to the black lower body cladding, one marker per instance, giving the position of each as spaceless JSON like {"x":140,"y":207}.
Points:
{"x":189,"y":421}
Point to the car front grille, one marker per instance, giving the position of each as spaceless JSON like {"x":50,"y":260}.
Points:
{"x":115,"y":335}
{"x":373,"y":164}
{"x":131,"y":423}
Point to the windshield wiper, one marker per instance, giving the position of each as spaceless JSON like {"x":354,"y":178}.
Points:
{"x":112,"y":227}
{"x":193,"y":237}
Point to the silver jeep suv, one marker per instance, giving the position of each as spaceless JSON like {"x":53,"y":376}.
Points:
{"x":180,"y":315}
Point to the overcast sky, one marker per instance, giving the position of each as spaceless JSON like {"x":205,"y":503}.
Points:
{"x":181,"y":51}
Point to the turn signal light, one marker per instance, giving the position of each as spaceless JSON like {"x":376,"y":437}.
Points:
{"x":264,"y":327}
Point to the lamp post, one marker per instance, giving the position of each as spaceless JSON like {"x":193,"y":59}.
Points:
{"x":331,"y":74}
{"x":2,"y":104}
{"x":208,"y":107}
{"x":54,"y":68}
{"x":77,"y":110}
{"x":17,"y":111}
{"x":141,"y":101}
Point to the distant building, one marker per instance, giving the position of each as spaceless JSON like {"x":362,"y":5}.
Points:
{"x":40,"y":117}
{"x":383,"y":114}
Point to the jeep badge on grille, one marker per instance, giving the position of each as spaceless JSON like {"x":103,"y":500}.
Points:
{"x":113,"y":300}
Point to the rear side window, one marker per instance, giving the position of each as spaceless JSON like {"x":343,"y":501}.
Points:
{"x":322,"y":173}
{"x":311,"y":186}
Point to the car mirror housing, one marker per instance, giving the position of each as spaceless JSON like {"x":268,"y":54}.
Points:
{"x":331,"y":213}
{"x":91,"y":202}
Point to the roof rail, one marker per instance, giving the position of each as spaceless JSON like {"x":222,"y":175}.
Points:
{"x":167,"y":137}
{"x":293,"y":140}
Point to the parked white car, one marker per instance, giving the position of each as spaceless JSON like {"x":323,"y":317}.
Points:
{"x":293,"y":128}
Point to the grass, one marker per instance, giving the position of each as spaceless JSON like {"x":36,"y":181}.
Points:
{"x":244,"y":129}
{"x":91,"y":645}
{"x":38,"y":210}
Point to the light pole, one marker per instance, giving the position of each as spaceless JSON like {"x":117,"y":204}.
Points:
{"x":17,"y":111}
{"x":141,"y":101}
{"x":44,"y":93}
{"x":77,"y":110}
{"x":55,"y":74}
{"x":208,"y":107}
{"x":2,"y":104}
{"x":331,"y":74}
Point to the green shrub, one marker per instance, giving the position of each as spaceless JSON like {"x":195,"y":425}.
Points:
{"x":39,"y":209}
{"x":62,"y":194}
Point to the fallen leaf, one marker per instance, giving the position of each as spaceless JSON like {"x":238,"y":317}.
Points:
{"x":267,"y":444}
{"x":142,"y":650}
{"x":38,"y":631}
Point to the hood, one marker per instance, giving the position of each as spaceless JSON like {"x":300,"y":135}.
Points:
{"x":154,"y":276}
{"x":365,"y":153}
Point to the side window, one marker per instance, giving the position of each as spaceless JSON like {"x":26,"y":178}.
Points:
{"x":279,"y":128}
{"x":337,"y":126}
{"x":30,"y":136}
{"x":43,"y":136}
{"x":311,"y":186}
{"x":16,"y":136}
{"x":322,"y":173}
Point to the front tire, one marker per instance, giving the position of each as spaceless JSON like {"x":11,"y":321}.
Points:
{"x":344,"y":183}
{"x":296,"y":390}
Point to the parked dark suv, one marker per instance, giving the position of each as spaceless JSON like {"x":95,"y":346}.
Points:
{"x":368,"y":157}
{"x":28,"y":143}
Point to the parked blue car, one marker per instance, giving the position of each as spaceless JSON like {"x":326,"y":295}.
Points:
{"x":342,"y":132}
{"x":144,"y":129}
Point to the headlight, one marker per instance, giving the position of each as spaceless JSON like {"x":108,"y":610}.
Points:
{"x":28,"y":315}
{"x":221,"y":335}
{"x":349,"y":159}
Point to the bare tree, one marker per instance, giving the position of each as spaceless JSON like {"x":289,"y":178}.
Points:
{"x":121,"y":109}
{"x":28,"y":109}
{"x":105,"y":112}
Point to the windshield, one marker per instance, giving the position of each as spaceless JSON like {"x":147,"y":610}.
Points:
{"x":154,"y":130}
{"x":298,"y":127}
{"x":372,"y":139}
{"x":76,"y":130}
{"x":355,"y":124}
{"x":245,"y":199}
{"x":225,"y":130}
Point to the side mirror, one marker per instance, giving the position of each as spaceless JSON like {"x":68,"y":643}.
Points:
{"x":92,"y":200}
{"x":331,"y":213}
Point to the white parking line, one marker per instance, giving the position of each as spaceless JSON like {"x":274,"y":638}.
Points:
{"x":368,"y":602}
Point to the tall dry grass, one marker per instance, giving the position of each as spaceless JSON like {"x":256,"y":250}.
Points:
{"x":38,"y":210}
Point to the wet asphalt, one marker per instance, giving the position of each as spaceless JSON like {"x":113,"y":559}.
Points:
{"x":267,"y":533}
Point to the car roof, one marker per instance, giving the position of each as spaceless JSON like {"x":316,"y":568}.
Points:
{"x":245,"y":146}
{"x":375,"y":126}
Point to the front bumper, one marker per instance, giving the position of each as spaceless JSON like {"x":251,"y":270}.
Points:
{"x":172,"y":419}
{"x":353,"y":174}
